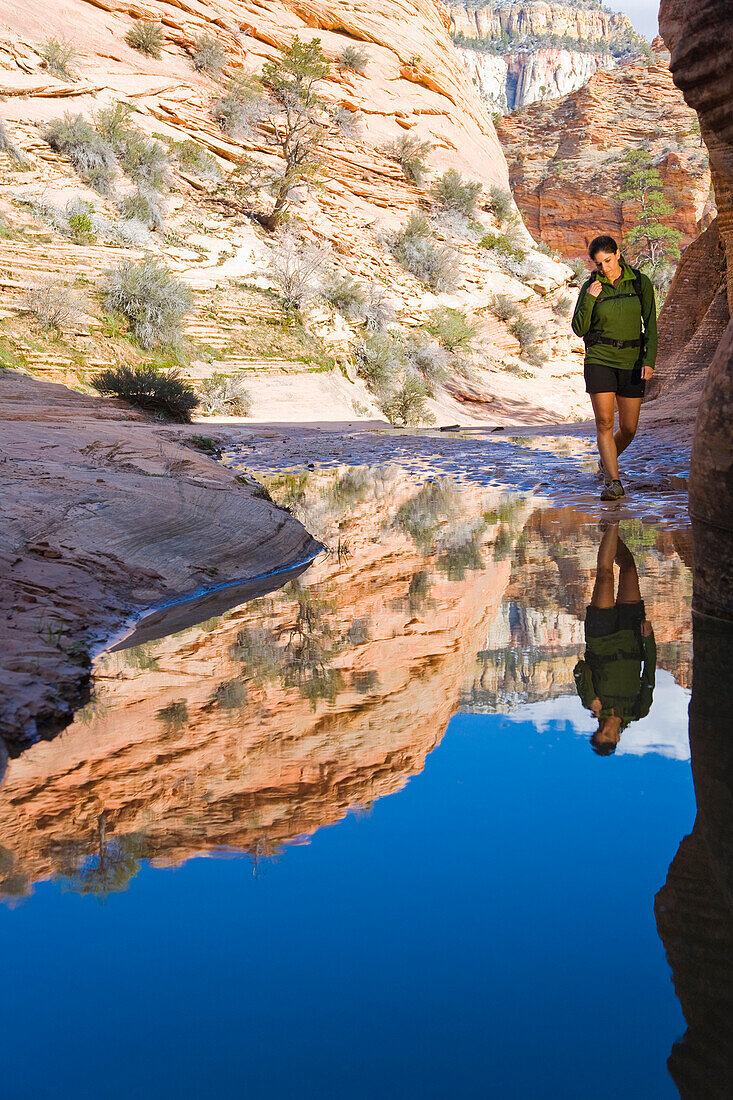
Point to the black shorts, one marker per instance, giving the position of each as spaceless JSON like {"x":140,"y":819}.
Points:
{"x":602,"y":621}
{"x":600,"y":379}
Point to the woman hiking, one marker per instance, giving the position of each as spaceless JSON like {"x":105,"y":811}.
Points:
{"x":616,"y":316}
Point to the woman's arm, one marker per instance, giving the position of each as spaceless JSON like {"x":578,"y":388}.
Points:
{"x":649,"y":317}
{"x":583,"y":310}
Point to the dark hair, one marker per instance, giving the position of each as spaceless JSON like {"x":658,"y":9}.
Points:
{"x":603,"y":243}
{"x":603,"y":748}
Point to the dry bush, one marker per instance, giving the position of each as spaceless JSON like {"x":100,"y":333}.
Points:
{"x":297,"y":267}
{"x":53,"y":303}
{"x":348,"y":123}
{"x":500,"y":204}
{"x":503,"y":307}
{"x":225,"y":395}
{"x":411,"y":154}
{"x":417,"y":250}
{"x":209,"y":56}
{"x":92,"y":156}
{"x":354,"y":59}
{"x":59,"y":57}
{"x":452,"y":192}
{"x":242,"y":108}
{"x":144,"y":161}
{"x":147,"y":37}
{"x":144,"y":205}
{"x":9,"y":147}
{"x":153,"y":301}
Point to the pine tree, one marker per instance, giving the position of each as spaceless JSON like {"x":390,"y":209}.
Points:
{"x":650,"y":242}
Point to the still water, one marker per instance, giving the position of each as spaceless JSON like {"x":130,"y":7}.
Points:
{"x":351,"y":838}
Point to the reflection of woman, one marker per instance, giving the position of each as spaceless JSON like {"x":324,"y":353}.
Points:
{"x":615,"y":680}
{"x":616,"y":316}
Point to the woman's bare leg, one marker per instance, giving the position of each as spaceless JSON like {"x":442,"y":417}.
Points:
{"x":604,"y":584}
{"x":603,"y":412}
{"x":628,"y":421}
{"x":628,"y":581}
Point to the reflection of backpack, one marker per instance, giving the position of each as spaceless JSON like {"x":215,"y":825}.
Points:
{"x":596,"y":338}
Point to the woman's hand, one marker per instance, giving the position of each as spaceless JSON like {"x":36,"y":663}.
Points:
{"x":646,"y":628}
{"x":646,"y":373}
{"x":595,"y":288}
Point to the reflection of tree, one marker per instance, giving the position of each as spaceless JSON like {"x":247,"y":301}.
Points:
{"x":460,"y":550}
{"x":418,"y":594}
{"x":110,"y":870}
{"x":309,"y":649}
{"x":174,"y":715}
{"x":12,"y":885}
{"x":423,"y":515}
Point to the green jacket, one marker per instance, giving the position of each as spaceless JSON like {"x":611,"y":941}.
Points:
{"x":618,"y":313}
{"x":619,"y":670}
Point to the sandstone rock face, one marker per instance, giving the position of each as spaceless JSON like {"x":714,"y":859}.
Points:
{"x":536,"y":18}
{"x":102,"y":515}
{"x":564,"y":157}
{"x":700,"y":38}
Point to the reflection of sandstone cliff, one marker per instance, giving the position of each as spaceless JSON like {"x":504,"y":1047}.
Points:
{"x":564,"y":158}
{"x":254,"y":730}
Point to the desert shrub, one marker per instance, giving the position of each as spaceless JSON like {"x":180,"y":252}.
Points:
{"x":500,"y":204}
{"x":9,"y":147}
{"x":144,"y":205}
{"x":379,"y":360}
{"x":347,"y":296}
{"x":147,"y":37}
{"x":525,"y":331}
{"x":53,"y":304}
{"x":509,"y":243}
{"x":209,"y":56}
{"x":451,"y":328}
{"x":150,"y":388}
{"x":562,"y":306}
{"x":451,"y":192}
{"x":378,"y":311}
{"x":193,"y":158}
{"x":242,"y":108}
{"x":503,"y":307}
{"x":428,"y":360}
{"x":79,"y":216}
{"x":59,"y":57}
{"x":417,"y":250}
{"x":535,"y":354}
{"x":348,"y":122}
{"x":407,"y":404}
{"x":92,"y":156}
{"x":113,"y":123}
{"x":144,"y":161}
{"x":354,"y":59}
{"x":152,"y":300}
{"x":297,"y":267}
{"x":128,"y":232}
{"x":225,"y":395}
{"x":411,"y":154}
{"x":580,"y":271}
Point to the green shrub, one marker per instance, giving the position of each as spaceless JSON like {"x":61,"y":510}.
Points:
{"x":411,"y":154}
{"x":503,"y":307}
{"x":580,"y":271}
{"x":92,"y":156}
{"x":193,"y":158}
{"x":500,"y":204}
{"x":147,"y":37}
{"x":509,"y":243}
{"x":209,"y":56}
{"x":407,"y":404}
{"x":451,"y":192}
{"x":428,"y":360}
{"x":525,"y":331}
{"x":535,"y":355}
{"x":347,"y":296}
{"x":79,"y":220}
{"x":354,"y":59}
{"x":59,"y":57}
{"x":150,"y":388}
{"x":451,"y":328}
{"x":562,"y":306}
{"x":152,"y":300}
{"x":113,"y":124}
{"x":417,"y":250}
{"x":144,"y":161}
{"x":225,"y":395}
{"x":144,"y":205}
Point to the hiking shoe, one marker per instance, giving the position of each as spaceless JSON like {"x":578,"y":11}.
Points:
{"x":613,"y":491}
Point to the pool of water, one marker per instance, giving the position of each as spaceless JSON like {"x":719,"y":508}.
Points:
{"x":351,"y":838}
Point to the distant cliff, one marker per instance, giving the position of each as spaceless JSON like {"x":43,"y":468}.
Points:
{"x":519,"y":53}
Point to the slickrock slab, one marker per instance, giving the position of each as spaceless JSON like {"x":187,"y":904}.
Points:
{"x":102,"y":515}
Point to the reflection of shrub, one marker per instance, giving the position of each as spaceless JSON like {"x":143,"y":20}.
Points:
{"x":419,"y":591}
{"x":147,"y":37}
{"x":365,"y":682}
{"x":92,"y":156}
{"x":231,"y":695}
{"x":149,"y":388}
{"x":503,"y":544}
{"x":359,"y":632}
{"x":225,"y":395}
{"x":354,"y":59}
{"x":423,"y":515}
{"x":59,"y":57}
{"x":451,"y":328}
{"x":407,"y":404}
{"x":411,"y":154}
{"x":461,"y":552}
{"x":417,"y":250}
{"x":451,"y":192}
{"x":257,"y":648}
{"x":174,"y":715}
{"x":151,"y":299}
{"x":209,"y":56}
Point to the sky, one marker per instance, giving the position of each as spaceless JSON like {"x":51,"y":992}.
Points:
{"x":642,"y":13}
